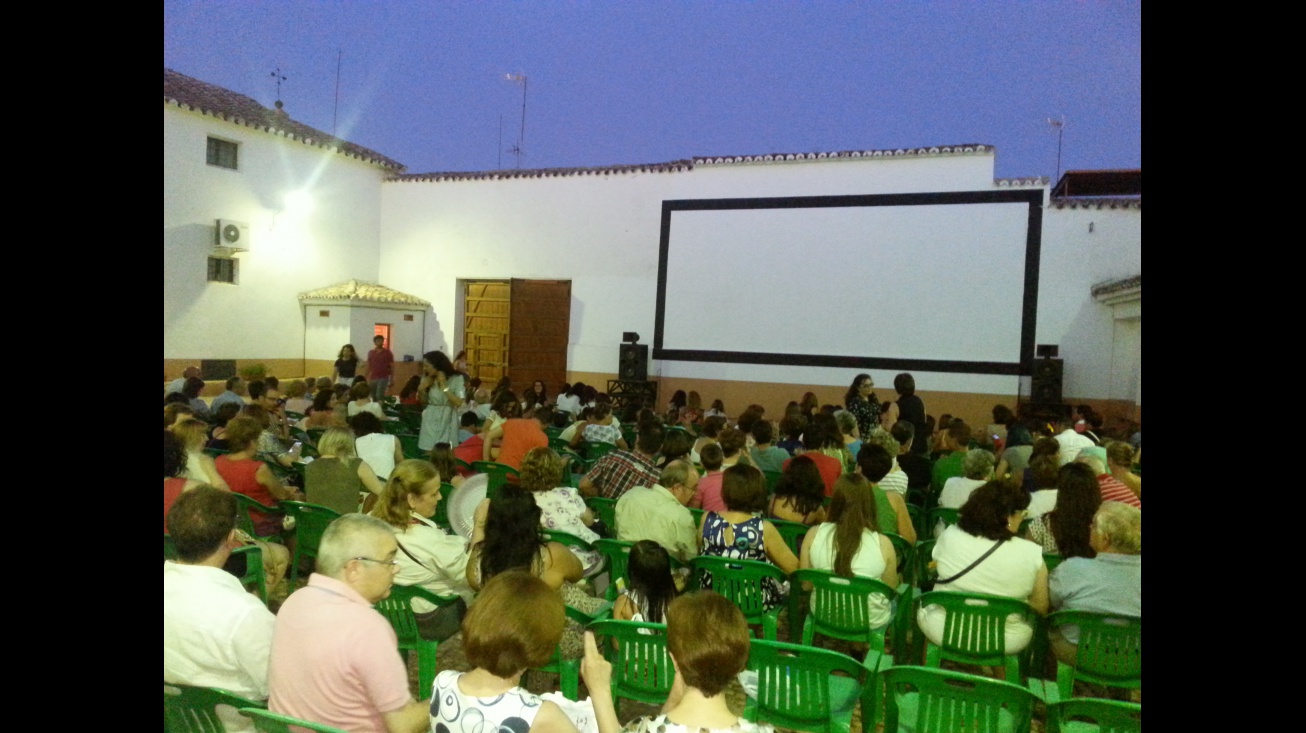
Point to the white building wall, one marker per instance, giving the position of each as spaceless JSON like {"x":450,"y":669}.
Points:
{"x":259,"y":317}
{"x":601,"y":232}
{"x":1073,"y":261}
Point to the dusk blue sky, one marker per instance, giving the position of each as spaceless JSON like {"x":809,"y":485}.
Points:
{"x":643,"y":82}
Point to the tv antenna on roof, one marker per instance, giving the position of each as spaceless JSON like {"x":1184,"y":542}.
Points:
{"x":521,"y":132}
{"x":1059,"y":123}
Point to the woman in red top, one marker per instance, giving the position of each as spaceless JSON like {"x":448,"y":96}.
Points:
{"x":519,"y":435}
{"x":251,"y":477}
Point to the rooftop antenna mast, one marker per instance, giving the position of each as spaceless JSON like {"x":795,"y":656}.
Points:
{"x":1059,"y":123}
{"x":335,"y":111}
{"x":521,"y":132}
{"x":280,"y":78}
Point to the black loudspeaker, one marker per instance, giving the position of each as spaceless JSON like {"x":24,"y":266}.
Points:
{"x":1045,"y":383}
{"x":632,"y":362}
{"x":218,"y":369}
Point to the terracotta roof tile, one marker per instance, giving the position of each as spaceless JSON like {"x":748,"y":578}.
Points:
{"x":357,"y":290}
{"x":190,"y":93}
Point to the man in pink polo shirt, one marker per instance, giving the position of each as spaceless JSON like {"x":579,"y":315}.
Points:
{"x":335,"y":659}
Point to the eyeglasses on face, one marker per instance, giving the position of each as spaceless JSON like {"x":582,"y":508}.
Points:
{"x":391,"y":563}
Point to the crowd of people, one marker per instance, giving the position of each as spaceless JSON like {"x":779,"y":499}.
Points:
{"x":690,"y":482}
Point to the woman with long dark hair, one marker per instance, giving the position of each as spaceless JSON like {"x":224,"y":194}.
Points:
{"x":442,"y":387}
{"x":912,"y":409}
{"x":1064,"y":530}
{"x":848,"y":544}
{"x":650,"y":587}
{"x":347,"y":361}
{"x":799,"y":494}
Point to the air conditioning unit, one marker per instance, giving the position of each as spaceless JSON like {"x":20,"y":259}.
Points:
{"x":231,"y":236}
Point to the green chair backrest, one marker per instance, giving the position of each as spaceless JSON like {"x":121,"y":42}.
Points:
{"x":566,"y":538}
{"x":797,"y":686}
{"x":605,"y":510}
{"x":741,"y":582}
{"x":398,"y":610}
{"x":244,"y":505}
{"x":411,"y":415}
{"x":188,"y":709}
{"x":311,"y":521}
{"x":269,"y":722}
{"x":408,"y":444}
{"x":295,"y":416}
{"x":315,"y":433}
{"x":974,"y":631}
{"x":568,"y":670}
{"x":792,"y":532}
{"x":947,"y":516}
{"x":1091,"y":715}
{"x":641,"y":664}
{"x":617,"y":556}
{"x":926,"y":700}
{"x":926,"y":573}
{"x":497,"y":475}
{"x":698,"y":515}
{"x":629,"y":434}
{"x":1051,"y":560}
{"x":840,"y":607}
{"x":772,"y":477}
{"x":558,"y":444}
{"x":215,"y":452}
{"x":441,"y":517}
{"x":169,"y":547}
{"x":1110,"y":650}
{"x":906,"y":553}
{"x":918,"y":519}
{"x":594,"y":450}
{"x":254,"y":572}
{"x":396,"y":427}
{"x":553,"y":433}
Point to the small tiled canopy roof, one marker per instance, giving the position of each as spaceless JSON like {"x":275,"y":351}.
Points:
{"x":357,"y":291}
{"x":190,"y":93}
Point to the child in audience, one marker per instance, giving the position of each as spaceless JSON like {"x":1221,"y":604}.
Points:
{"x":649,"y":586}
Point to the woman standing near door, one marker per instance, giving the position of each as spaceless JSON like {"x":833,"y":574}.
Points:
{"x":442,"y":386}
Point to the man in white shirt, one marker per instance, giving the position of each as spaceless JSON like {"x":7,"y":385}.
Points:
{"x":658,"y":512}
{"x":1071,"y":442}
{"x":214,"y":633}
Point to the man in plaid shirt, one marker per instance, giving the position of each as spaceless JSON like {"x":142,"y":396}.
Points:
{"x":621,"y":470}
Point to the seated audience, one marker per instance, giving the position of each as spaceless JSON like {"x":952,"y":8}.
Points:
{"x":361,"y":401}
{"x":251,"y":477}
{"x":215,"y":634}
{"x":378,"y":449}
{"x":741,"y":533}
{"x":709,"y":486}
{"x":765,"y":455}
{"x":896,"y":479}
{"x":1007,"y":565}
{"x":517,"y":436}
{"x":1064,"y":530}
{"x":621,"y":470}
{"x":354,"y":681}
{"x":707,"y":637}
{"x":337,"y":477}
{"x":428,"y":557}
{"x":1110,"y":582}
{"x":976,"y":470}
{"x":850,"y":545}
{"x":650,"y":585}
{"x":515,"y":624}
{"x":658,"y":512}
{"x":799,"y":494}
{"x":1120,"y":461}
{"x":199,"y":465}
{"x":912,"y":462}
{"x":819,"y":443}
{"x":442,"y":457}
{"x":194,"y":386}
{"x":953,"y":440}
{"x":874,"y":462}
{"x":849,"y":433}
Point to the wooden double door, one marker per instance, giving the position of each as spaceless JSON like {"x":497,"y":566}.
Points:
{"x":519,"y":328}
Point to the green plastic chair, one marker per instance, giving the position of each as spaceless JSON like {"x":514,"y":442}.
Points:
{"x":188,"y":709}
{"x":311,"y":521}
{"x":803,"y":688}
{"x":975,"y":630}
{"x":411,"y":416}
{"x":918,"y":519}
{"x":441,"y":517}
{"x":906,"y":553}
{"x":923,"y":700}
{"x":629,"y":434}
{"x":698,"y":515}
{"x":925,"y":573}
{"x":270,"y":722}
{"x":1110,"y":651}
{"x":571,"y":541}
{"x":408,"y":444}
{"x":592,"y":451}
{"x":616,"y":555}
{"x":169,"y":547}
{"x":244,"y":521}
{"x":558,"y":444}
{"x":552,"y":432}
{"x":940,"y":514}
{"x":839,"y":608}
{"x":497,"y":474}
{"x":1051,"y":560}
{"x":1091,"y":715}
{"x":568,"y":670}
{"x":315,"y":434}
{"x":215,"y":452}
{"x":792,"y":532}
{"x":294,"y":416}
{"x":772,"y":477}
{"x":254,"y":573}
{"x":398,"y":610}
{"x":741,"y":582}
{"x":396,"y":427}
{"x":605,"y":510}
{"x":641,"y":664}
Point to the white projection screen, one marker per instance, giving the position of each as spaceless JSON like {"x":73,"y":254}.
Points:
{"x":929,"y":281}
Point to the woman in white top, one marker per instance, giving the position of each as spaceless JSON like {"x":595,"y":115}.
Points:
{"x":377,"y":448}
{"x":515,"y":625}
{"x":192,"y":434}
{"x":428,"y":557}
{"x":360,"y":400}
{"x":988,"y":521}
{"x":849,"y":545}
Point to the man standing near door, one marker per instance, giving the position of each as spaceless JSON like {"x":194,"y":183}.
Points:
{"x":380,"y":366}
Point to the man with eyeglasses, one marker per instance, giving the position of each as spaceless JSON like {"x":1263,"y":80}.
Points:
{"x":334,"y":658}
{"x":658,"y":512}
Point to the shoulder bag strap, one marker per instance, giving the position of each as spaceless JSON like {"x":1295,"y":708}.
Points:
{"x":971,"y":566}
